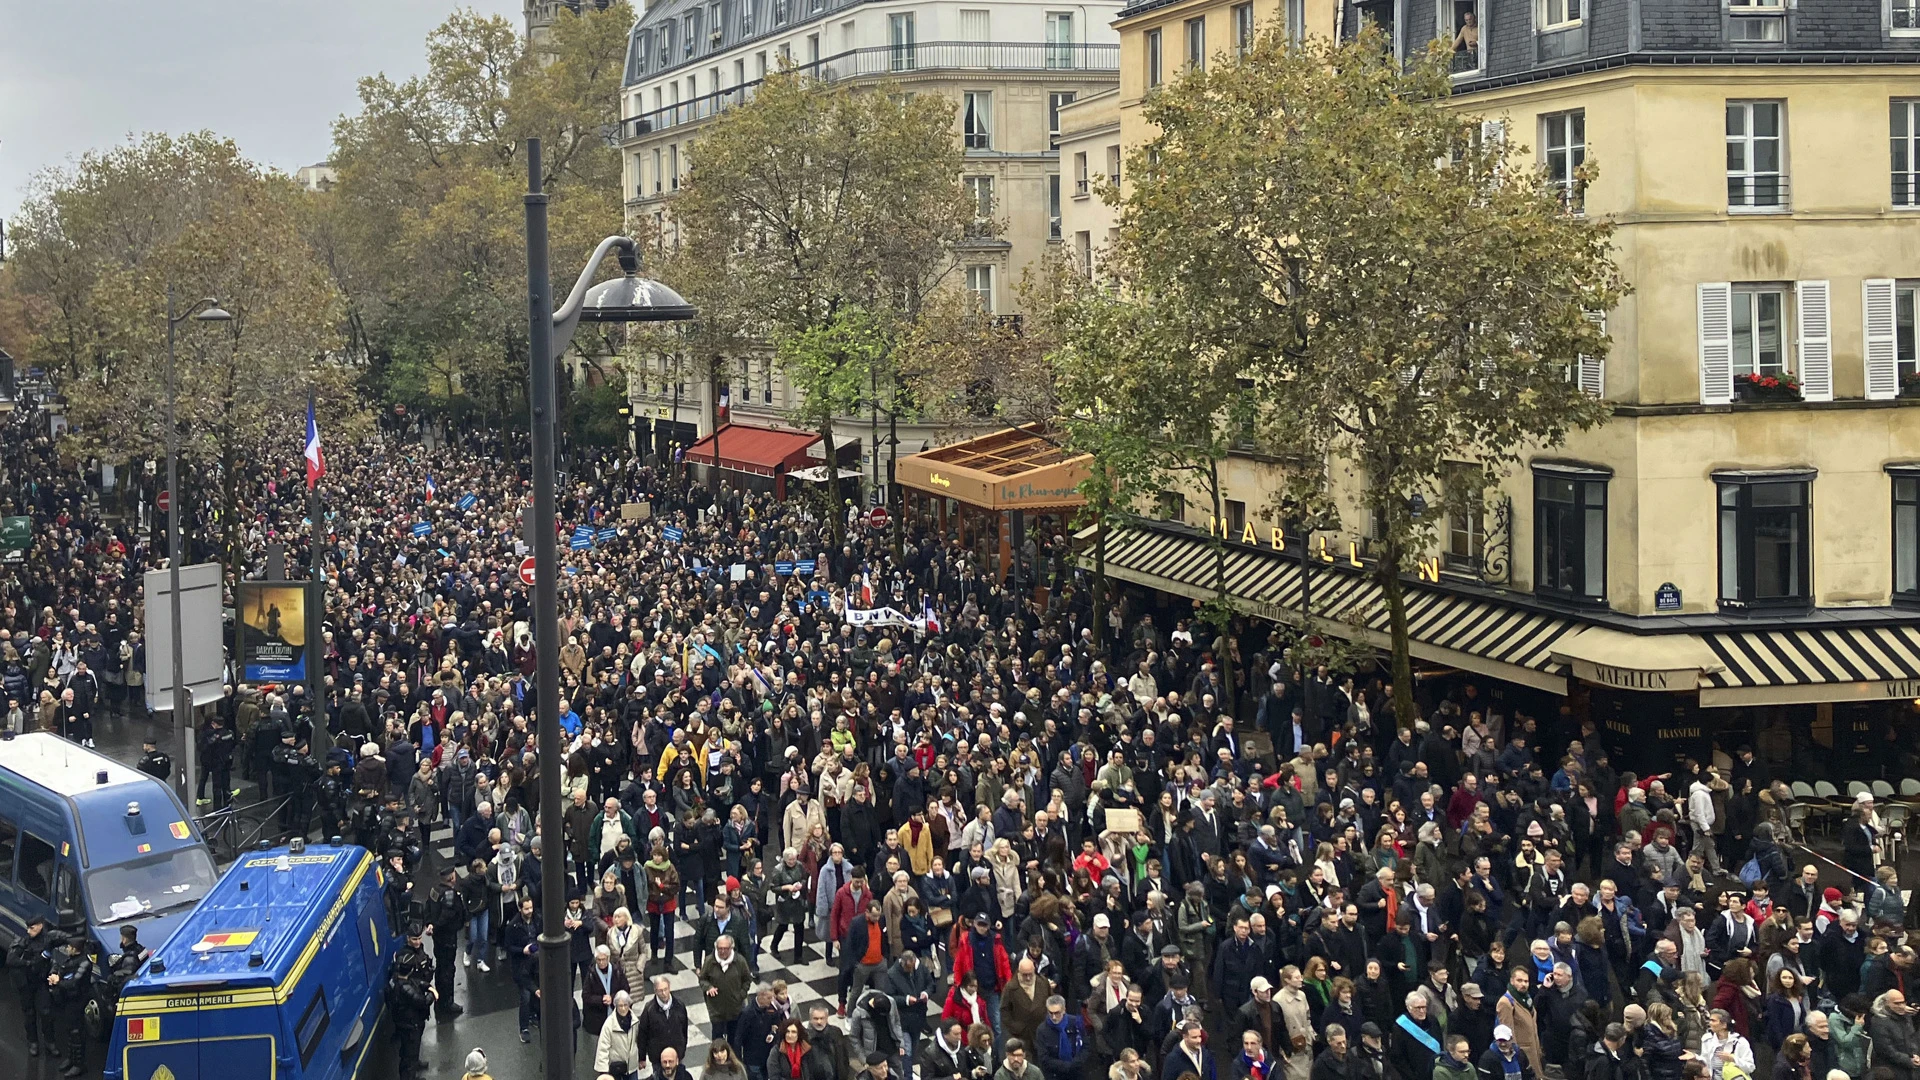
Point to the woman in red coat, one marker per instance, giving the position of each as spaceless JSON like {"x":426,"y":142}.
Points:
{"x":965,"y":1003}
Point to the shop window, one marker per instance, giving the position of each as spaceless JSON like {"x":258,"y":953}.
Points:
{"x":1570,"y":535}
{"x":1906,"y":534}
{"x":1765,"y":539}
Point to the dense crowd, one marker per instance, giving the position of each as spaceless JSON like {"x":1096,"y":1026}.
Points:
{"x":1032,"y":852}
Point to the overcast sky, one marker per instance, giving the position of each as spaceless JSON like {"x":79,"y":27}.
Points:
{"x":270,"y":74}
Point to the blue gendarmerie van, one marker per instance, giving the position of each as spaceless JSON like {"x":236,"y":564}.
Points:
{"x":91,"y":845}
{"x":279,"y":974}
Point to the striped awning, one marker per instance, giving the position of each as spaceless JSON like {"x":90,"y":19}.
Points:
{"x":1840,"y":663}
{"x":1503,"y":640}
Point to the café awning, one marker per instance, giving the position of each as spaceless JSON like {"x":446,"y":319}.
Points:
{"x":1838,"y":663}
{"x":1506,"y":641}
{"x":1854,"y":656}
{"x":758,"y":450}
{"x":1022,"y":468}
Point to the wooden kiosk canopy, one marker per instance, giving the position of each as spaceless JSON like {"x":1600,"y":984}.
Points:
{"x":1013,"y":469}
{"x":988,"y":490}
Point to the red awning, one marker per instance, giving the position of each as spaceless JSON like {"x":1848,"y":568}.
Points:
{"x":758,"y":450}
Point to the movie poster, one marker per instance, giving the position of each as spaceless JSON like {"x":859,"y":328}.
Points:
{"x":273,"y":631}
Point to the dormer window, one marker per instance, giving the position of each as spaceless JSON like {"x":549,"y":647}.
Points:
{"x":1757,"y":21}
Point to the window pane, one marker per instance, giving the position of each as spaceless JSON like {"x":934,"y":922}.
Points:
{"x":1792,"y":494}
{"x":1595,"y":493}
{"x":1595,"y":554}
{"x":1906,"y":546}
{"x":1776,"y":554}
{"x":36,"y":867}
{"x":1729,"y":551}
{"x":1905,"y":489}
{"x":1767,"y":327}
{"x":1742,"y":333}
{"x":1766,"y":120}
{"x":1736,"y":120}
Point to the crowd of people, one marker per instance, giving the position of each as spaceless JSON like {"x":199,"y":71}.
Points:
{"x":1033,"y":851}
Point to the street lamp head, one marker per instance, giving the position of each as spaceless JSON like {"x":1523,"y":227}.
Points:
{"x":214,"y":312}
{"x":632,"y":298}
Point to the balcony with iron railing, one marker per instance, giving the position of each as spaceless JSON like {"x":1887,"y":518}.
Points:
{"x":883,"y":61}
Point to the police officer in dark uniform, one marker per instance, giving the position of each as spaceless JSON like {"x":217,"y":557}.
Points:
{"x":216,"y":755}
{"x":410,"y":995}
{"x":29,"y":962}
{"x":332,"y":798}
{"x":399,"y":890}
{"x":121,"y":971}
{"x":155,"y":762}
{"x":70,"y":986}
{"x":285,"y":763}
{"x":447,"y":915}
{"x":364,"y":822}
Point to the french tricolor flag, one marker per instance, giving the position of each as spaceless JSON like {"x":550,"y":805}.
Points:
{"x":431,"y":488}
{"x":316,"y":465}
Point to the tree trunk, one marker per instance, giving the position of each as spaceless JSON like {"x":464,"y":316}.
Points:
{"x":1100,"y":633}
{"x":836,"y":511}
{"x":1390,"y":587}
{"x":713,"y":414}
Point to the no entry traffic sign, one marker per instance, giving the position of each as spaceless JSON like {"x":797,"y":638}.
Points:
{"x":526,"y":571}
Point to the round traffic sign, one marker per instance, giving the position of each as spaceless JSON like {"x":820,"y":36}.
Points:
{"x":164,"y":501}
{"x":878,"y":517}
{"x":526,"y":571}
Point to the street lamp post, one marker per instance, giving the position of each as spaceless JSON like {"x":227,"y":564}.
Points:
{"x":629,"y":298}
{"x":208,"y":310}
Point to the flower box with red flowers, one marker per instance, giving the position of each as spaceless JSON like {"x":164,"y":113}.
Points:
{"x":1766,"y":388}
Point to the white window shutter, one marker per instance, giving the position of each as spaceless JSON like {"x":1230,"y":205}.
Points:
{"x":1716,"y":342}
{"x":1876,"y":304}
{"x":1593,"y":369}
{"x":1816,"y":341}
